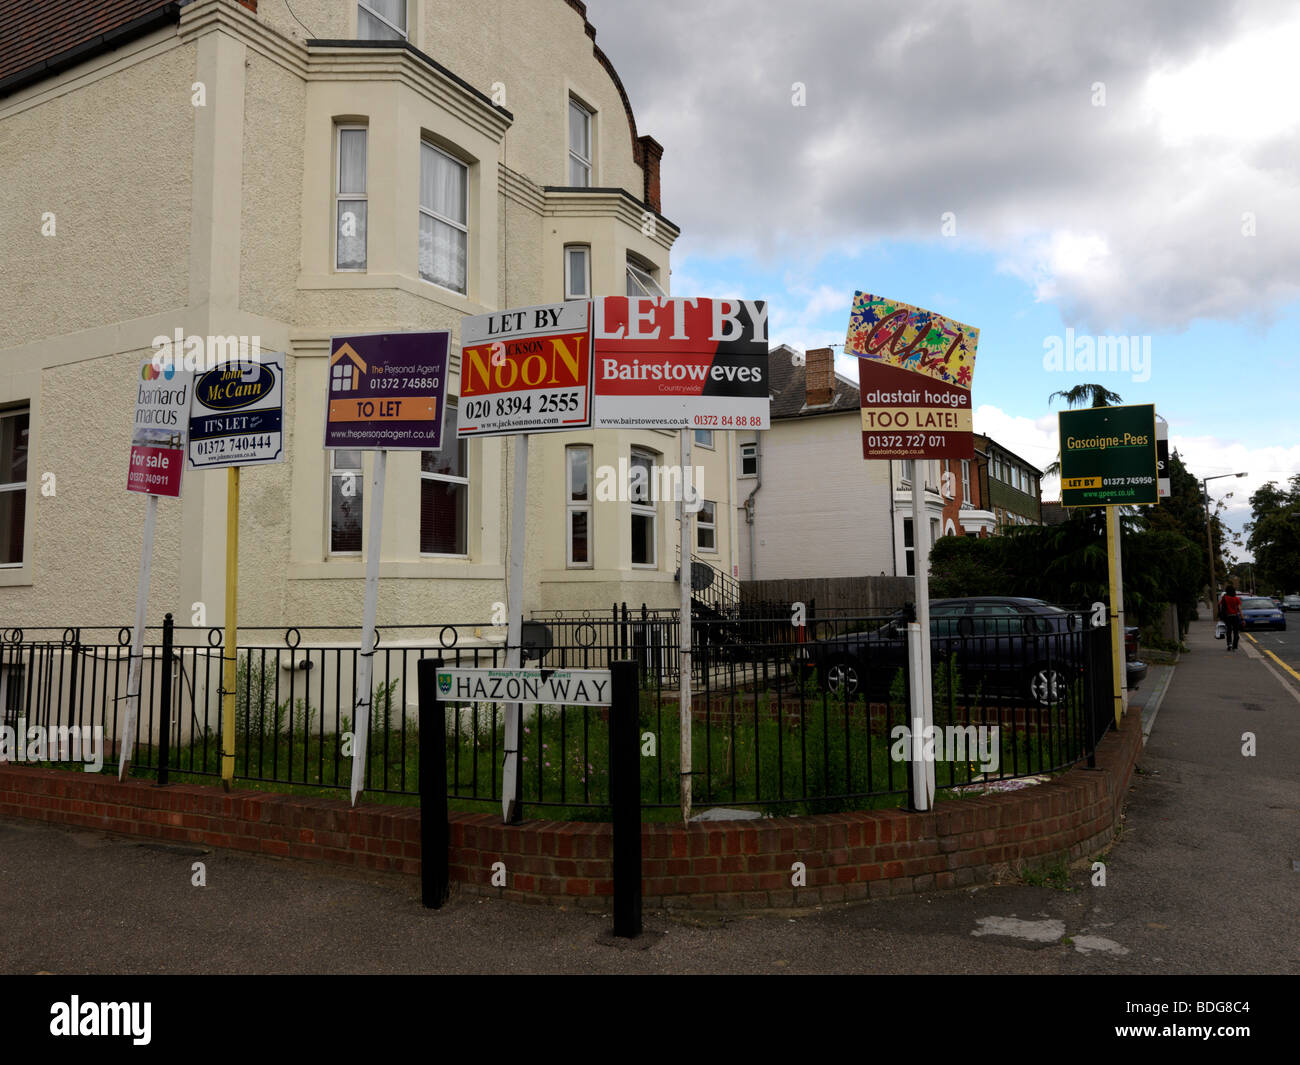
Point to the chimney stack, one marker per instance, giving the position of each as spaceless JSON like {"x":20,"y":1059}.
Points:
{"x":819,"y":371}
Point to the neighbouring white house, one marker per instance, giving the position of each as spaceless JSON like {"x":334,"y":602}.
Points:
{"x":810,"y":506}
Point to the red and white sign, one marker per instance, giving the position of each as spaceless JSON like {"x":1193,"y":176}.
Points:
{"x":158,"y":440}
{"x":679,"y":363}
{"x":526,"y":370}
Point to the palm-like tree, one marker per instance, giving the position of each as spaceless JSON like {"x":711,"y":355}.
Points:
{"x":1084,"y":395}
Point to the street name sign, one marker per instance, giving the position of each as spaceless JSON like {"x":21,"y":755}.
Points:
{"x":914,"y":380}
{"x":1108,"y":456}
{"x":162,"y":411}
{"x":387,"y":391}
{"x":573,"y":687}
{"x":237,"y":415}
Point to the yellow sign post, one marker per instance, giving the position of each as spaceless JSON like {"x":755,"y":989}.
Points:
{"x":230,"y":646}
{"x":1120,"y":681}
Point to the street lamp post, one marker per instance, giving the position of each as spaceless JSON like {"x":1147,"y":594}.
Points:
{"x":1209,"y":540}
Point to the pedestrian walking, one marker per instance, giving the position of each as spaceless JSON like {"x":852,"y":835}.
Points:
{"x":1230,"y":615}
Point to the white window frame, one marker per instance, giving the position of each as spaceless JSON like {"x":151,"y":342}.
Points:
{"x":748,"y":451}
{"x":579,"y":506}
{"x":336,"y":473}
{"x":965,"y":480}
{"x":19,"y":486}
{"x":649,"y":510}
{"x":701,"y":525}
{"x":405,"y":33}
{"x":464,"y":228}
{"x":642,"y":277}
{"x":574,"y":155}
{"x":449,"y":479}
{"x":570,"y":293}
{"x":701,"y":434}
{"x":350,"y":197}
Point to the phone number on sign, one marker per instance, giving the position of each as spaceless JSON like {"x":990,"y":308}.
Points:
{"x":906,"y":440}
{"x":727,"y":421}
{"x":506,"y":405}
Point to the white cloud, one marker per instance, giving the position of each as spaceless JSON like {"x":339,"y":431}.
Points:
{"x":1128,"y":217}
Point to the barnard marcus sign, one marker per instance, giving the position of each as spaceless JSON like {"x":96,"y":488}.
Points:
{"x":1108,"y":456}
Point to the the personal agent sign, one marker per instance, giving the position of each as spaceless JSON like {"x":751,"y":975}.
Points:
{"x":387,"y":391}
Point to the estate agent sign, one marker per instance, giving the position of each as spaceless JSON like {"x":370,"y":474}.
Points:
{"x":914,"y":378}
{"x":1108,"y":456}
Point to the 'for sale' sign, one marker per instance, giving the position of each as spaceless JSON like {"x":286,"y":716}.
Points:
{"x":162,"y":411}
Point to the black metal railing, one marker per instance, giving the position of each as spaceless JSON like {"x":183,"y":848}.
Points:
{"x":784,"y":717}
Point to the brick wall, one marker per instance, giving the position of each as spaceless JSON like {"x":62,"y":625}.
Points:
{"x":717,"y":865}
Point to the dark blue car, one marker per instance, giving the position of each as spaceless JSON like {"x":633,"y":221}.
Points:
{"x":1260,"y":612}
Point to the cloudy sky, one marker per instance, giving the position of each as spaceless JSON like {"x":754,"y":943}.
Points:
{"x":1110,"y":167}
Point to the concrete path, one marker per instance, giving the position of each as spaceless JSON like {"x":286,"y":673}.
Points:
{"x":1201,"y":880}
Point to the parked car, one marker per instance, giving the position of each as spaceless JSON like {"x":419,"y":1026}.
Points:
{"x":1005,"y":646}
{"x":1260,"y":612}
{"x":1291,"y":602}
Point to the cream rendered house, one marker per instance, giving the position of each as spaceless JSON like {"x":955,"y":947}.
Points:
{"x":230,"y":168}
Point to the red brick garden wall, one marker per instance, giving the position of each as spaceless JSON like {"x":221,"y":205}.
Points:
{"x":716,"y":865}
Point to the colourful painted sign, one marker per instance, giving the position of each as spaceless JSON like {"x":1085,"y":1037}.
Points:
{"x":914,"y":376}
{"x":387,"y":391}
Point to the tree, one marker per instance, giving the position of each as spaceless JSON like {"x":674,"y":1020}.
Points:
{"x":1274,"y":534}
{"x":1183,"y":512}
{"x":1090,"y":395}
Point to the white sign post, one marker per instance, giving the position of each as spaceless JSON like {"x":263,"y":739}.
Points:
{"x":684,"y":655}
{"x":514,"y":628}
{"x":157,"y":462}
{"x":137,"y":639}
{"x":365,"y":664}
{"x":918,"y":636}
{"x":386,"y":391}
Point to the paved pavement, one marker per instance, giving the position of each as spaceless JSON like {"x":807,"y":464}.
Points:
{"x":1200,"y":881}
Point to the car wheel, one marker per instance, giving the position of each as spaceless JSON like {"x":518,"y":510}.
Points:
{"x":842,"y":676}
{"x":1047,"y":685}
